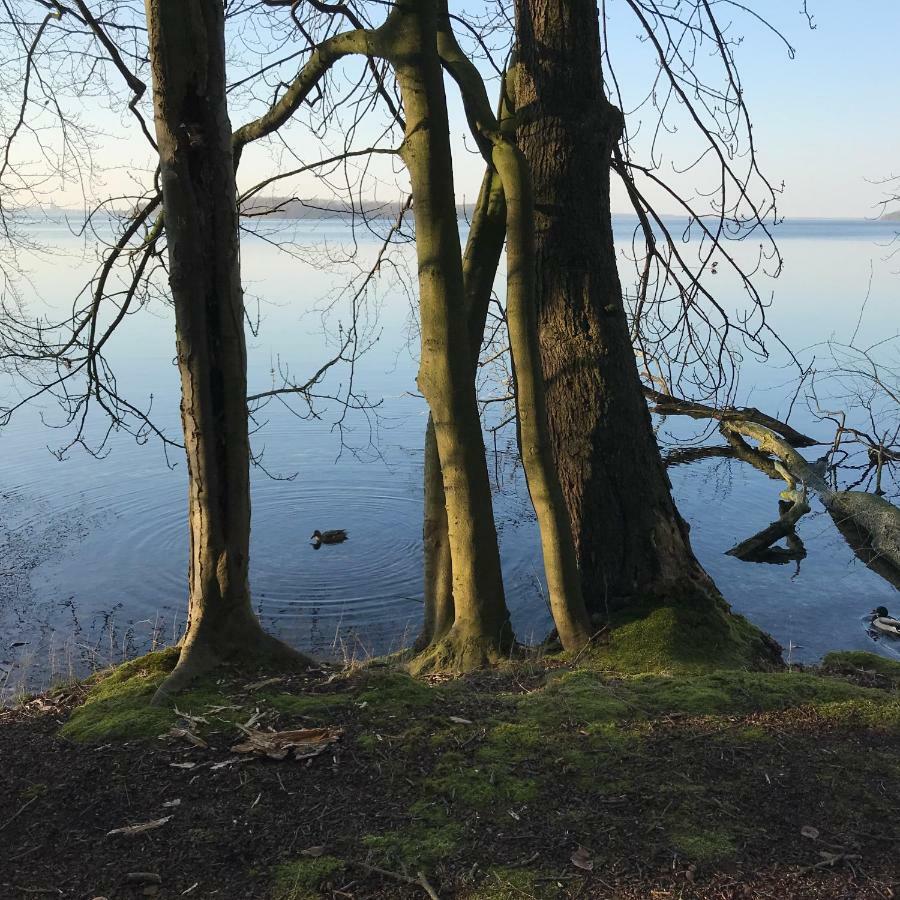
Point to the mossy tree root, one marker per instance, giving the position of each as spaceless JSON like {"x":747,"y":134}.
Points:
{"x":249,"y":648}
{"x":462,"y":650}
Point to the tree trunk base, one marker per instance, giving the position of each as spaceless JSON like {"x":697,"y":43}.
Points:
{"x":461,"y":651}
{"x":248,"y":648}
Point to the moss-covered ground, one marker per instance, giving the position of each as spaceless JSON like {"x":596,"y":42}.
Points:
{"x":681,"y":775}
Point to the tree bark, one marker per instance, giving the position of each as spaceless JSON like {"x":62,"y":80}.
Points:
{"x":629,"y":537}
{"x":187,"y":53}
{"x":481,"y":632}
{"x":438,"y":570}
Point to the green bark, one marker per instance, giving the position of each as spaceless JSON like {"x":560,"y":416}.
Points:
{"x":483,"y":250}
{"x":481,"y":631}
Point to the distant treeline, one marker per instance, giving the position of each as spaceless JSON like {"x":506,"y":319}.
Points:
{"x":293,"y":208}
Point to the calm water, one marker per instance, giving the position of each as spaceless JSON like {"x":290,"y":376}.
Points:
{"x":93,"y":552}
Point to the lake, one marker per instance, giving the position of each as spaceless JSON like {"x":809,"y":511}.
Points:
{"x":93,"y":552}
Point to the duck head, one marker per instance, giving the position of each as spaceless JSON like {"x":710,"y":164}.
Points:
{"x":316,"y":539}
{"x":880,"y":612}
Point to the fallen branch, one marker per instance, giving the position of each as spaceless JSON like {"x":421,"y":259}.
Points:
{"x":758,"y":548}
{"x":874,"y":520}
{"x":667,"y":405}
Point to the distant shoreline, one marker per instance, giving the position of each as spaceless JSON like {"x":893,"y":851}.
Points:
{"x":322,"y":210}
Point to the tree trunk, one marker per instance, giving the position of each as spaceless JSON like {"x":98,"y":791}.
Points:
{"x":187,"y":53}
{"x":438,"y":587}
{"x":629,"y":537}
{"x":544,"y":487}
{"x":483,"y":250}
{"x":481,"y":631}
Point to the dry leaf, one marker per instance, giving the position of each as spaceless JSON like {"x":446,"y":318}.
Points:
{"x":809,"y":832}
{"x":460,"y":721}
{"x":183,"y":765}
{"x":170,"y":804}
{"x":301,"y":743}
{"x":582,"y":858}
{"x":140,"y":829}
{"x":225,"y":762}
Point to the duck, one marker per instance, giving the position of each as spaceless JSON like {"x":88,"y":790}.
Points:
{"x":883,"y":621}
{"x":335,"y":536}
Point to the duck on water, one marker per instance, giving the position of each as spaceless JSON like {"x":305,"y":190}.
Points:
{"x":882,"y":621}
{"x":336,"y":536}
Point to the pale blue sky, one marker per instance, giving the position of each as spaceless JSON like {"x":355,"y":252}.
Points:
{"x":828,"y":119}
{"x":824,"y":122}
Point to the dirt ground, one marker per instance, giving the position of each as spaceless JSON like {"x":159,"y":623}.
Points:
{"x":493,"y":787}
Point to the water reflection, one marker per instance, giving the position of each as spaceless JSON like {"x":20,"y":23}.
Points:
{"x":93,"y":553}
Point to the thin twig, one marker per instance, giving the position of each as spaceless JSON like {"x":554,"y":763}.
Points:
{"x":421,"y":881}
{"x":18,"y":813}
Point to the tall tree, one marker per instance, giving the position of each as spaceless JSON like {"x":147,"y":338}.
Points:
{"x":629,"y":537}
{"x":484,"y":247}
{"x":199,"y":198}
{"x":446,"y":377}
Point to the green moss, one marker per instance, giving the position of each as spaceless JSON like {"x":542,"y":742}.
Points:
{"x":850,"y":661}
{"x":514,"y":884}
{"x":880,"y":713}
{"x":367,"y":742}
{"x":584,"y":697}
{"x":750,"y":734}
{"x":416,"y":847}
{"x":137,"y":676}
{"x":117,"y":705}
{"x":706,"y":846}
{"x":38,"y":789}
{"x":512,"y":742}
{"x":303,"y":879}
{"x":484,"y":785}
{"x":393,"y":693}
{"x":690,"y":635}
{"x":310,"y":705}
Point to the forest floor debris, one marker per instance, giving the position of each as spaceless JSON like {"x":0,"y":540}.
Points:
{"x":540,"y":780}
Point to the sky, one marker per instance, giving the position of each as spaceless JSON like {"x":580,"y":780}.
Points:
{"x":825,"y":122}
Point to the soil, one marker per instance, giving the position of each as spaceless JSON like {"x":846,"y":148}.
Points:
{"x":232,"y":827}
